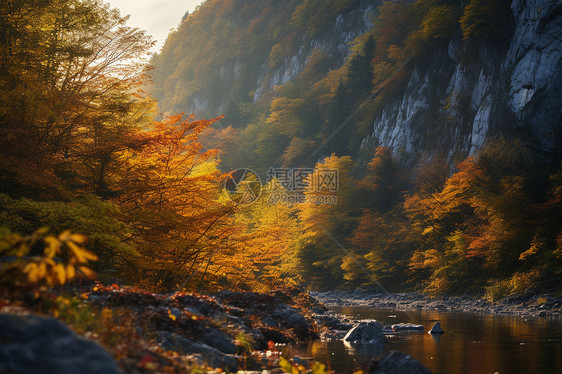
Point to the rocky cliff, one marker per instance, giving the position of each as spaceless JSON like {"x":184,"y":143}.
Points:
{"x":459,"y":94}
{"x":510,"y":88}
{"x":237,"y":53}
{"x":336,"y":44}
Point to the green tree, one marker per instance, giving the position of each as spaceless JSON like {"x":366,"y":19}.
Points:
{"x":486,"y":19}
{"x":340,"y":111}
{"x":385,"y":244}
{"x":439,"y":23}
{"x":328,"y":217}
{"x":482,"y":216}
{"x":360,"y":71}
{"x":384,"y":181}
{"x":286,"y":116}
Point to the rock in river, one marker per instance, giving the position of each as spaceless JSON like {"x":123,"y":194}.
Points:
{"x":406,"y":327}
{"x":436,"y":329}
{"x":366,"y":332}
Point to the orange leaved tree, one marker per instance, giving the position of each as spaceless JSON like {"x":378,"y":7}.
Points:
{"x":171,"y":197}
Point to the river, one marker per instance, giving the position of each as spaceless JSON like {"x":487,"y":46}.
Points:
{"x":472,"y":343}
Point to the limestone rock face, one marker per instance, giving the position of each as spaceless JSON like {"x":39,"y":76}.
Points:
{"x":534,"y":61}
{"x":454,"y":99}
{"x":454,"y":105}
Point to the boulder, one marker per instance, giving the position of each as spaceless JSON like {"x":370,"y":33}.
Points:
{"x":366,"y":332}
{"x":32,"y":344}
{"x":197,"y":305}
{"x":218,"y":340}
{"x":319,"y":310}
{"x":436,"y":329}
{"x":342,"y":327}
{"x":333,"y":335}
{"x":396,"y":362}
{"x":326,"y":320}
{"x":213,"y":357}
{"x":291,"y":319}
{"x":406,"y":327}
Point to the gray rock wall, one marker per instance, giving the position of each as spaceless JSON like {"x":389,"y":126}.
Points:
{"x":454,"y":100}
{"x":498,"y":91}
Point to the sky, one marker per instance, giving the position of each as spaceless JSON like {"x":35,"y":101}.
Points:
{"x":157,"y":17}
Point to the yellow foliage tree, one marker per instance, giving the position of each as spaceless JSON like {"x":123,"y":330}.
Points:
{"x":42,"y":259}
{"x":286,"y":116}
{"x":172,"y":199}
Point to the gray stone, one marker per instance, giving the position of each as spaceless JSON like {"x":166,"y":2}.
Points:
{"x":319,"y":310}
{"x":366,"y":332}
{"x":395,"y":362}
{"x":219,"y":340}
{"x":37,"y":345}
{"x":213,"y":357}
{"x":406,"y":327}
{"x":436,"y":329}
{"x":290,"y":318}
{"x":328,"y":321}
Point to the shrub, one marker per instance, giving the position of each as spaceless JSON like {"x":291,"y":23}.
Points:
{"x":518,"y":283}
{"x":42,"y":259}
{"x":88,"y":215}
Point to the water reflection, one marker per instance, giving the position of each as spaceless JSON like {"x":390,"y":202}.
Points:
{"x":471,"y":343}
{"x":364,"y":352}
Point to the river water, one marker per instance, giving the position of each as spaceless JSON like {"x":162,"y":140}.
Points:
{"x":472,"y":343}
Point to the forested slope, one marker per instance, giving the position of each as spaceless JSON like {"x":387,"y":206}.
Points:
{"x":420,"y":77}
{"x":81,"y":151}
{"x":442,"y":118}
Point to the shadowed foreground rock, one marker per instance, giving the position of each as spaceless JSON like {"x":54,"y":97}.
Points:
{"x":210,"y":355}
{"x":396,"y":362}
{"x":35,"y":345}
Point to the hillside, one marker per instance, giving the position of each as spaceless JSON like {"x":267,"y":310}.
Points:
{"x":441,"y":117}
{"x":422,"y":78}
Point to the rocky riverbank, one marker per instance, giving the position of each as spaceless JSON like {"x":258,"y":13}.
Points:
{"x":116,"y":330}
{"x":525,"y":304}
{"x":146,"y":332}
{"x":225,"y":332}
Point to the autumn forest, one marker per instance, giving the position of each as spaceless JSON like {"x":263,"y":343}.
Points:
{"x":85,"y":155}
{"x":108,"y":181}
